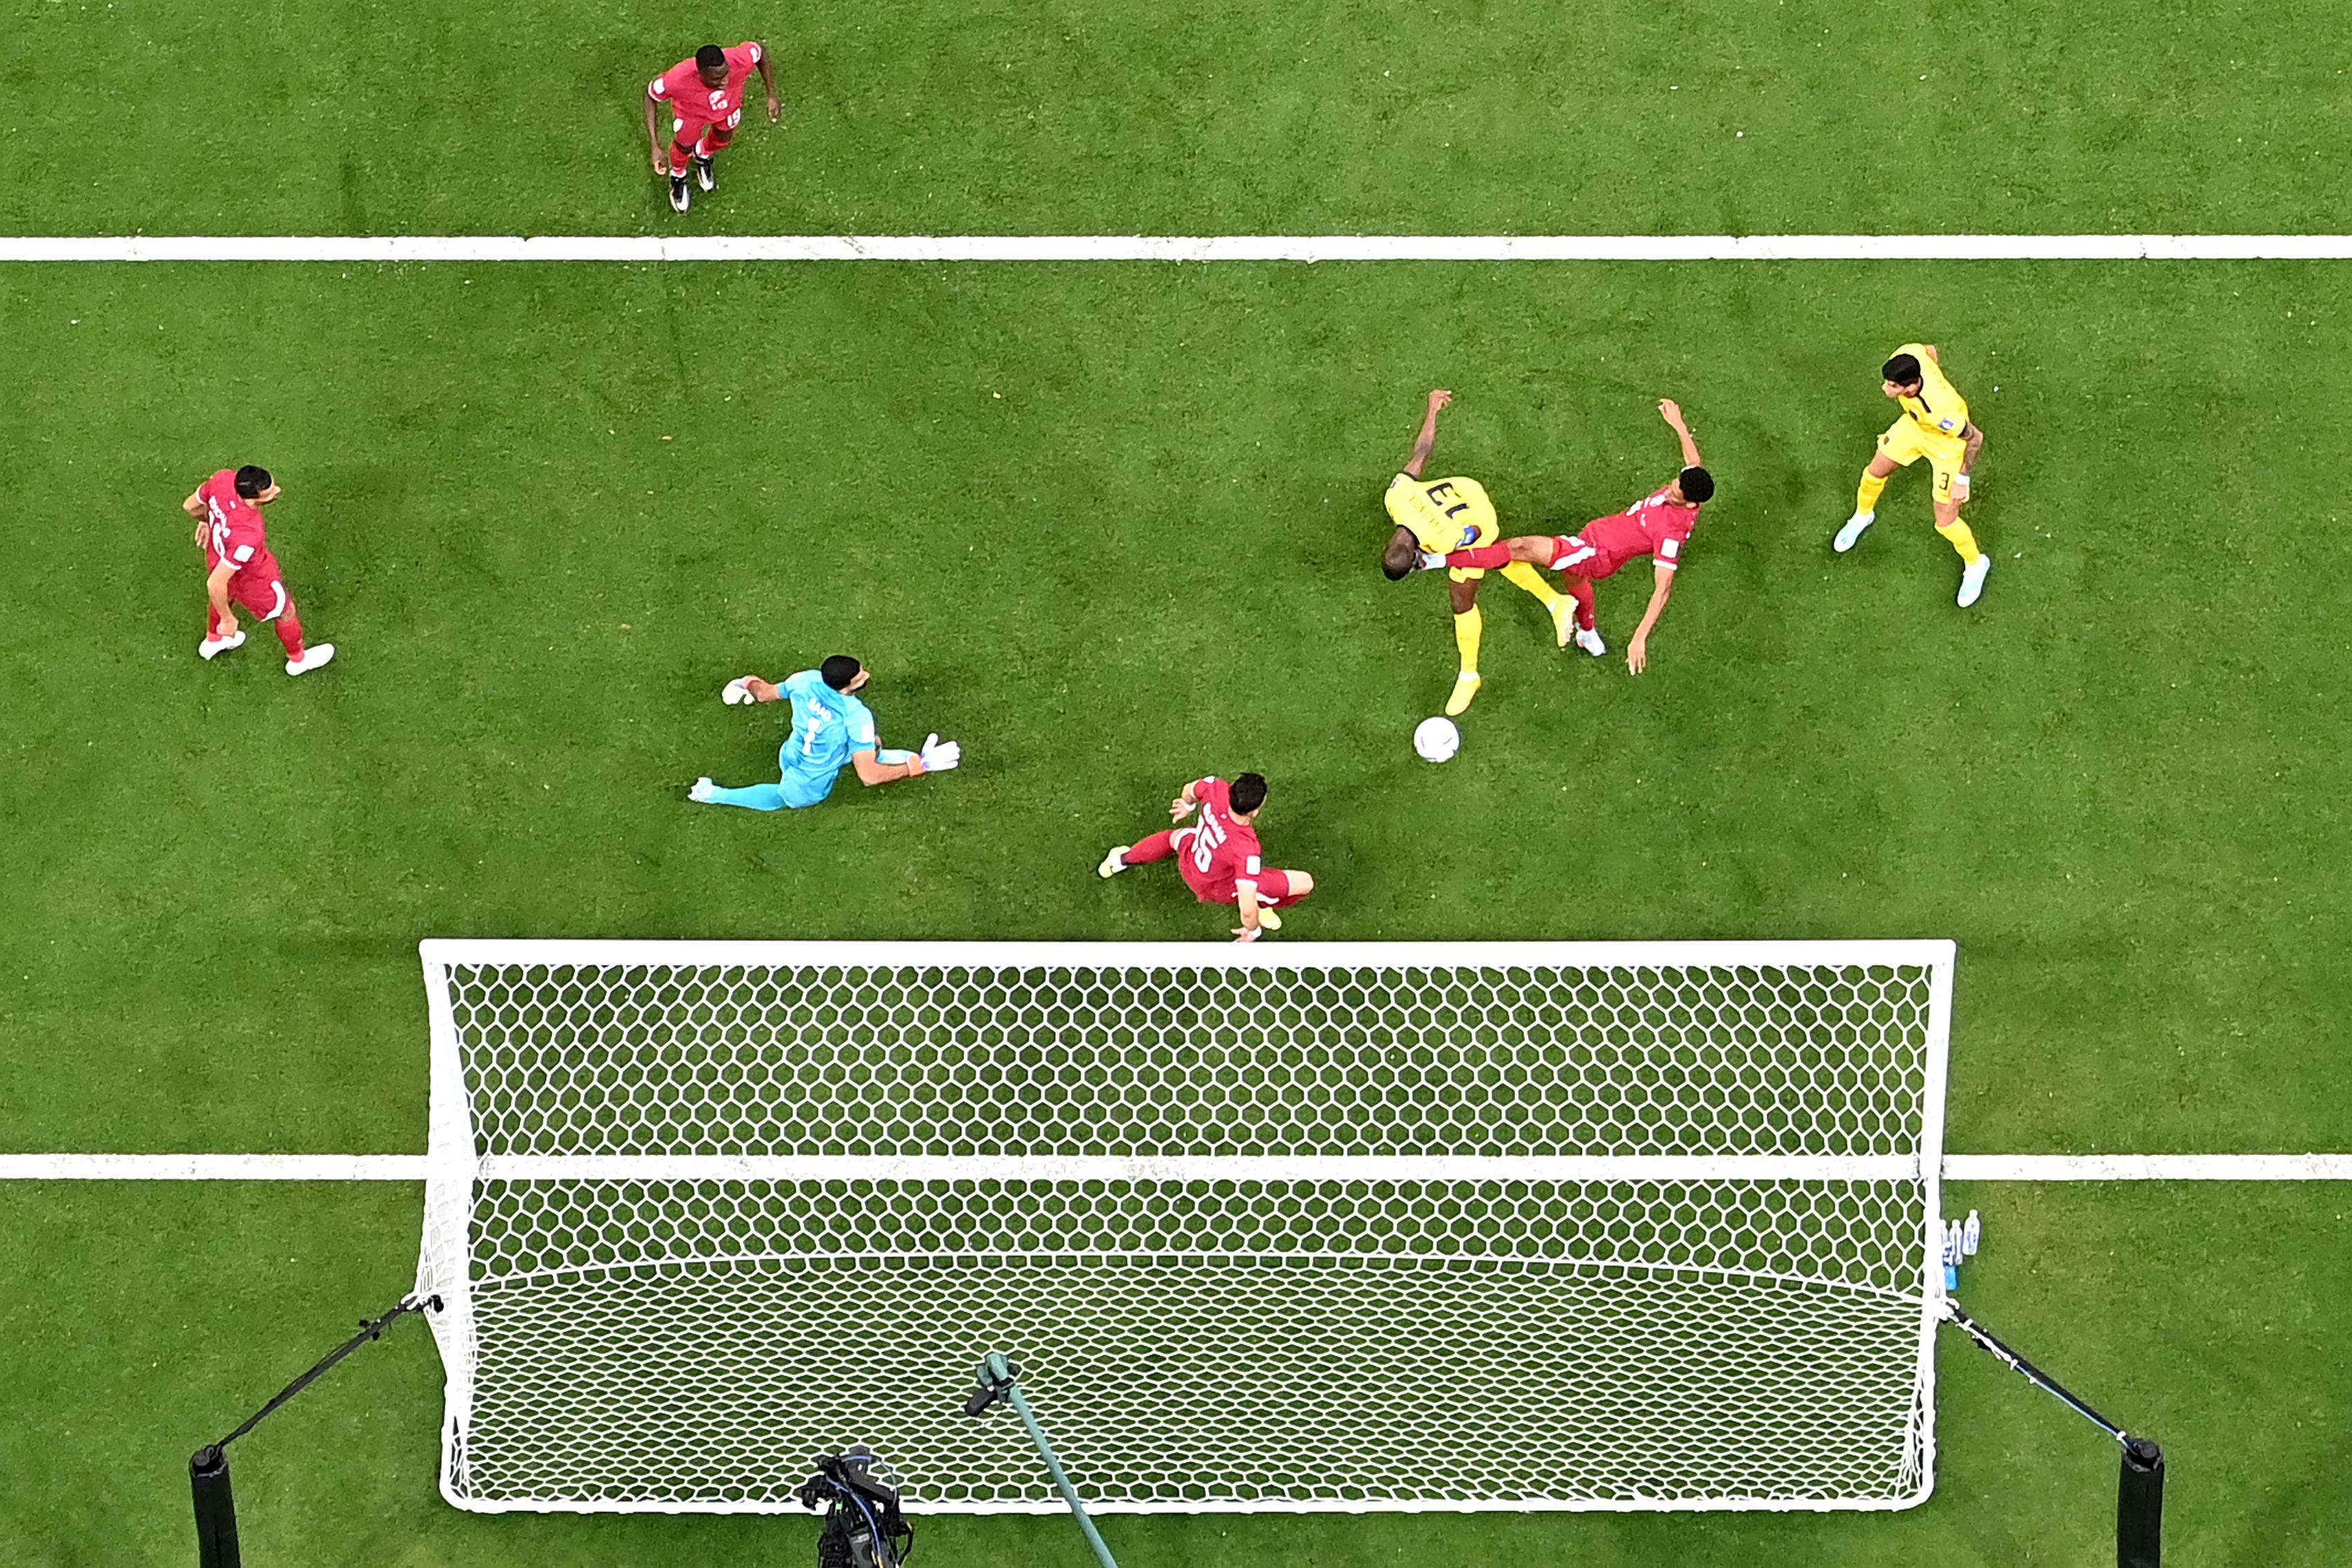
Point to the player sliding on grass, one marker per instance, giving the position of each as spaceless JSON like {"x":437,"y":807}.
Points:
{"x":1219,"y":854}
{"x":1658,"y":524}
{"x":239,"y":568}
{"x":706,"y":94}
{"x":1450,"y":515}
{"x":831,"y":729}
{"x":1935,"y":425}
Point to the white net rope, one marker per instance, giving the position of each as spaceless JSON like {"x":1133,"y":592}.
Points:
{"x":1318,"y":1231}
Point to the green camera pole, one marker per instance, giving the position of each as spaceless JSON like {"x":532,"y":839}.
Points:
{"x":997,"y":1381}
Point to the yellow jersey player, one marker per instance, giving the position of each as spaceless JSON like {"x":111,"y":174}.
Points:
{"x":1935,"y":425}
{"x":1440,"y":516}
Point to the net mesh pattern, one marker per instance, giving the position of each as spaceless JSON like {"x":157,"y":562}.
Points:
{"x":650,"y":1340}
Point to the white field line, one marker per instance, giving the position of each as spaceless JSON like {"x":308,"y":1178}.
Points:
{"x":488,"y":248}
{"x":410,"y":1167}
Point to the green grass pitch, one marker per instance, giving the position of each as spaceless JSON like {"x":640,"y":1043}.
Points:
{"x":1111,"y":527}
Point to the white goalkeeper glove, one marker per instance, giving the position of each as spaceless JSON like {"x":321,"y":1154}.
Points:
{"x":735,"y":692}
{"x":938,"y":756}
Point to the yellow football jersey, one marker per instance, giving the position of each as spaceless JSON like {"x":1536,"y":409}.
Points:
{"x":1938,"y":411}
{"x":1444,"y":514}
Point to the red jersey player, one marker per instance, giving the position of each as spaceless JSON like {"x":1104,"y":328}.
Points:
{"x":1219,"y":855}
{"x":706,"y":95}
{"x":239,"y":568}
{"x":1658,"y":525}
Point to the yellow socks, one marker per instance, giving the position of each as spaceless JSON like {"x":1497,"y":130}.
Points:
{"x":1866,"y":496}
{"x":1956,"y":533}
{"x":1469,"y":628}
{"x":1519,"y":574}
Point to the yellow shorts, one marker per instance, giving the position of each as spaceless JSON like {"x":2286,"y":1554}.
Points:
{"x":1411,"y":508}
{"x":1905,"y":443}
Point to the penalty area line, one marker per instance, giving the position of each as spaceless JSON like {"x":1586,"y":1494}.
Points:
{"x":491,"y":248}
{"x":411,"y":1167}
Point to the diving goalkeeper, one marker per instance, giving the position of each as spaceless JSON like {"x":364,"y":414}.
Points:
{"x":832,"y":728}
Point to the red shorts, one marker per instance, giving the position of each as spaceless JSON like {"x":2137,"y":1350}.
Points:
{"x":689,"y":131}
{"x":1272,"y":887}
{"x":1571,"y":555}
{"x":263,"y":595}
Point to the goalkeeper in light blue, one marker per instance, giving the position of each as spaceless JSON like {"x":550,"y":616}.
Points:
{"x":831,"y":729}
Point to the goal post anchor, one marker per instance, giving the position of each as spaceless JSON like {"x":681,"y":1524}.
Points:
{"x":208,"y":1473}
{"x":2140,"y":1488}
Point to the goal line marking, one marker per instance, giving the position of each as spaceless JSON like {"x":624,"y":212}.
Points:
{"x":488,"y":248}
{"x":411,"y":1167}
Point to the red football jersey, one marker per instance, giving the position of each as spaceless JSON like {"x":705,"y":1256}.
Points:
{"x":1215,"y":852}
{"x":682,"y":87}
{"x":233,"y":530}
{"x":1651,"y":526}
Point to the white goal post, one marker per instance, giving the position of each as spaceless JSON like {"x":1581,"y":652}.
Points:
{"x":1313,"y":1226}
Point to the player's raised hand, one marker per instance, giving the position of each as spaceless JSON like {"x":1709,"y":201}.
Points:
{"x":1637,"y":653}
{"x":1673,"y":412}
{"x":1179,"y":808}
{"x":1438,"y":398}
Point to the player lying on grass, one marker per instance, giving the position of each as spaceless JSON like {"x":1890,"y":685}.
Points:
{"x":1219,"y":856}
{"x":1446,"y":514}
{"x":1935,"y":425}
{"x":706,"y":95}
{"x":1658,"y":525}
{"x":239,"y":568}
{"x":832,"y":728}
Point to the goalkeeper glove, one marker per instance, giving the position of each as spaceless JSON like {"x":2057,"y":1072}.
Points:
{"x":735,"y":692}
{"x":938,"y":756}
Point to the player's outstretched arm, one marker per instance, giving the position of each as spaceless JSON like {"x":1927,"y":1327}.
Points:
{"x":1671,"y":411}
{"x":653,"y":133}
{"x":1637,"y":651}
{"x":767,"y":75}
{"x":1246,"y":900}
{"x":1427,"y":441}
{"x":936,"y":756}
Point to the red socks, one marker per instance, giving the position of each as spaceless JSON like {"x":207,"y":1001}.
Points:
{"x":1155,"y":848}
{"x":289,"y":632}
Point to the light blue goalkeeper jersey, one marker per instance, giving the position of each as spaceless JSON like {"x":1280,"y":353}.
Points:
{"x":829,"y":728}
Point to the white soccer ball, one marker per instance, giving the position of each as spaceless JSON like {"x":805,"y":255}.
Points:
{"x":1436,"y":739}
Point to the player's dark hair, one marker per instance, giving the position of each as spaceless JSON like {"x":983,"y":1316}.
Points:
{"x":1697,"y":484}
{"x":1902,"y":369}
{"x":1395,"y":573}
{"x":252,"y":480}
{"x":1248,"y":793}
{"x":710,"y":57}
{"x":838,"y":671}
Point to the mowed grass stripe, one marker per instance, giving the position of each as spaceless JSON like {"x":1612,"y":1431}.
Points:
{"x":1203,"y":116}
{"x":1115,"y":527}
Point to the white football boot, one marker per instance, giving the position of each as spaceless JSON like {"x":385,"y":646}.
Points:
{"x":214,"y":647}
{"x":1972,"y":579}
{"x":701,"y":789}
{"x":1114,"y":863}
{"x":315,"y":655}
{"x":1848,"y":536}
{"x":1591,"y":642}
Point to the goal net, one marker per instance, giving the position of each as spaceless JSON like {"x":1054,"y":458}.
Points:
{"x":1316,"y":1225}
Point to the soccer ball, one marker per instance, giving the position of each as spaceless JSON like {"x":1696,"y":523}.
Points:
{"x":1436,"y":739}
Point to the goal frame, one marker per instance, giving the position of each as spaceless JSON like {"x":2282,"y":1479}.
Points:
{"x":451,"y":1144}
